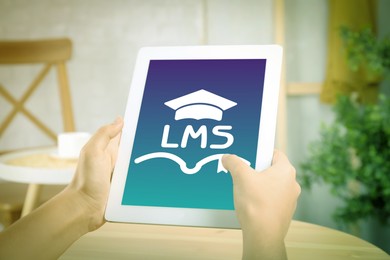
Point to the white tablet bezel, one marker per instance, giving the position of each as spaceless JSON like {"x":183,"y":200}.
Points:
{"x":117,"y":212}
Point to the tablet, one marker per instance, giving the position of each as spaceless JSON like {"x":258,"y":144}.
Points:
{"x":187,"y":107}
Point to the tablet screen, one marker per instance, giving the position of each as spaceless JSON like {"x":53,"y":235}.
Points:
{"x":193,"y":112}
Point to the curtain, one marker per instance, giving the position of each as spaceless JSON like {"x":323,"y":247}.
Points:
{"x":340,"y":79}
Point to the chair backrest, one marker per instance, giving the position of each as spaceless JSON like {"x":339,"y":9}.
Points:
{"x":52,"y":53}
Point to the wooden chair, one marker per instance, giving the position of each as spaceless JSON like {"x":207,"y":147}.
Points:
{"x":51,"y":53}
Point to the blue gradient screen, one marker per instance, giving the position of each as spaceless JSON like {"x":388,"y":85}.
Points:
{"x":174,"y":162}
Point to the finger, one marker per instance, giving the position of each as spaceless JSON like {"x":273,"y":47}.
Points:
{"x":103,"y":136}
{"x":278,"y":156}
{"x":236,"y":166}
{"x":112,"y":149}
{"x":281,"y":164}
{"x":298,"y":189}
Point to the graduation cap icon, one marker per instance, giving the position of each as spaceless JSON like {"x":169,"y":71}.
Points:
{"x":200,"y":104}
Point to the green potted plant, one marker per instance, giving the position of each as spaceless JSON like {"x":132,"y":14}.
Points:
{"x":352,"y":154}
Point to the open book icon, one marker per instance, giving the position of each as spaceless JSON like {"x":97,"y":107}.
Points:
{"x":183,"y":165}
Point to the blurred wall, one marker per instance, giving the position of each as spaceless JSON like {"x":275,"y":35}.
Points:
{"x":306,"y":39}
{"x":107,"y":35}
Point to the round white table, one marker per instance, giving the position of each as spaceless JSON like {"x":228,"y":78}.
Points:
{"x":36,"y":167}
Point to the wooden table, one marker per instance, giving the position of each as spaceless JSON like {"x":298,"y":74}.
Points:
{"x":135,"y":241}
{"x":36,"y":167}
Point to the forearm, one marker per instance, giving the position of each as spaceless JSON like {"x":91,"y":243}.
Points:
{"x":259,"y":246}
{"x":265,"y":203}
{"x":48,"y":231}
{"x":263,"y":239}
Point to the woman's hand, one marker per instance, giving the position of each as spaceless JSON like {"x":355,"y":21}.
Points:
{"x":265,"y":203}
{"x":49,"y":230}
{"x":93,"y":175}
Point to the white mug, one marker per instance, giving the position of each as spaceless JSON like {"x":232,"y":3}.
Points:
{"x":71,"y":143}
